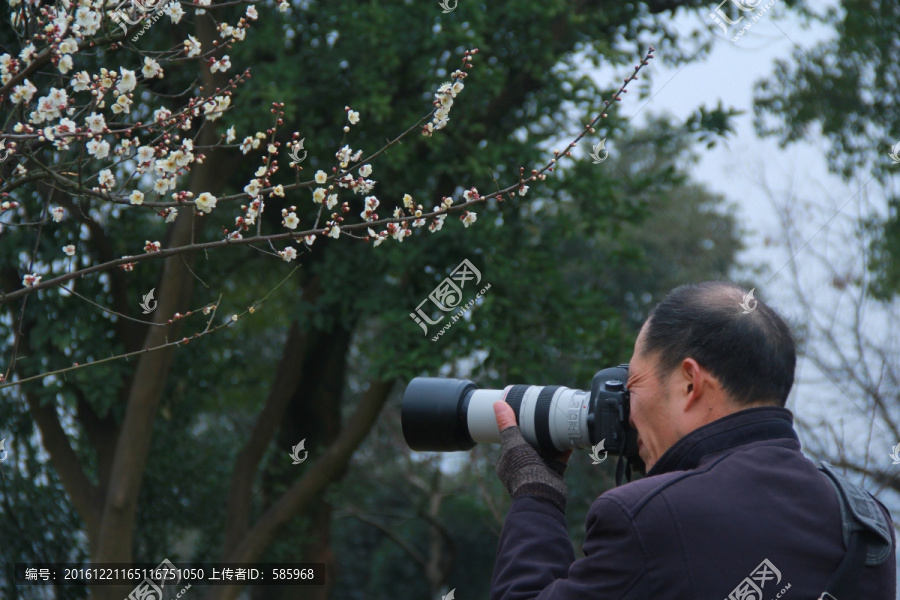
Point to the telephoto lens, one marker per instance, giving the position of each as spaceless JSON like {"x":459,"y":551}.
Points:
{"x":445,"y":415}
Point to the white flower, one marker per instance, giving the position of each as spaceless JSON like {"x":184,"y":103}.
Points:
{"x":31,"y":280}
{"x":136,"y":197}
{"x":290,"y":221}
{"x":283,"y":6}
{"x":457,"y":87}
{"x":161,"y":185}
{"x":98,"y":148}
{"x":122,"y":105}
{"x":230,"y":134}
{"x":23,"y":93}
{"x":106,"y":178}
{"x":251,"y":13}
{"x":321,"y":177}
{"x":57,"y":213}
{"x":81,"y":81}
{"x":468,"y":218}
{"x":172,"y":215}
{"x":445,"y":88}
{"x":247,"y":144}
{"x":331,"y":201}
{"x":174,"y":10}
{"x":252,"y":188}
{"x":278,"y":190}
{"x":96,"y":123}
{"x":222,"y":64}
{"x":127,"y":81}
{"x":65,"y":63}
{"x":191,"y":46}
{"x":408,"y":201}
{"x":319,"y":195}
{"x":151,"y":246}
{"x":206,"y":202}
{"x":353,"y":117}
{"x":523,"y":190}
{"x":334,"y":232}
{"x":145,"y":154}
{"x":365,"y":170}
{"x":69,"y":250}
{"x":68,"y":46}
{"x":288,"y":254}
{"x":309,"y":239}
{"x":151,"y":68}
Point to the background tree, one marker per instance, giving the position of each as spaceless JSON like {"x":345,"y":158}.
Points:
{"x":846,"y":86}
{"x":146,"y":451}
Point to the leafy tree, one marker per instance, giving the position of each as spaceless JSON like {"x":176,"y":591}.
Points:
{"x":847,"y":86}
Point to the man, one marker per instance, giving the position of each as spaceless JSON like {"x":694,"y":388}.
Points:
{"x":729,"y":509}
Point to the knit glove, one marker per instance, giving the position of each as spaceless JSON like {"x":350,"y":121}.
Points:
{"x":527,"y":472}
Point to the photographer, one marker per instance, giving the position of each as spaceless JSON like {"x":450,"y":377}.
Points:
{"x":730,"y":507}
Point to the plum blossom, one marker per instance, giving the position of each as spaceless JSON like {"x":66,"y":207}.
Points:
{"x":31,"y":280}
{"x":229,"y":135}
{"x":368,"y":212}
{"x":23,"y":93}
{"x":205,"y":202}
{"x":223,"y":64}
{"x":352,"y":116}
{"x":69,"y":250}
{"x":191,"y":46}
{"x":98,"y":148}
{"x":290,"y":220}
{"x":96,"y":123}
{"x":81,"y":82}
{"x":65,"y":64}
{"x":172,"y":215}
{"x":136,"y":197}
{"x":310,"y":239}
{"x":151,"y":246}
{"x":127,"y":81}
{"x":321,"y":177}
{"x":468,"y":218}
{"x":319,"y":195}
{"x":365,"y":170}
{"x":288,"y":254}
{"x":106,"y":178}
{"x":331,"y":201}
{"x":57,"y":213}
{"x":151,"y":68}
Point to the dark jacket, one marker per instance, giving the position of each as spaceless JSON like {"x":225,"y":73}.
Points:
{"x":732,"y":505}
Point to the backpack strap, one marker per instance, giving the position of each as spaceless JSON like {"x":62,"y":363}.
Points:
{"x":866,"y":532}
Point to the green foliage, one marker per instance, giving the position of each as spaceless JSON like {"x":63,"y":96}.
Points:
{"x":847,"y":86}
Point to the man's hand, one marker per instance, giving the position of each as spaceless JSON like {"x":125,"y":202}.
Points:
{"x":522,"y":469}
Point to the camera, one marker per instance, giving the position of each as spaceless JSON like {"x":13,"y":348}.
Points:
{"x":446,"y":415}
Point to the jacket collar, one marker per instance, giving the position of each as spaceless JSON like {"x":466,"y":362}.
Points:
{"x":739,"y":428}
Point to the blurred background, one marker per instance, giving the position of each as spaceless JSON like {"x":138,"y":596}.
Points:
{"x":761,"y":157}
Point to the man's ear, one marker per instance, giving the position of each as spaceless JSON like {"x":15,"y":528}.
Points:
{"x":692,"y":382}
